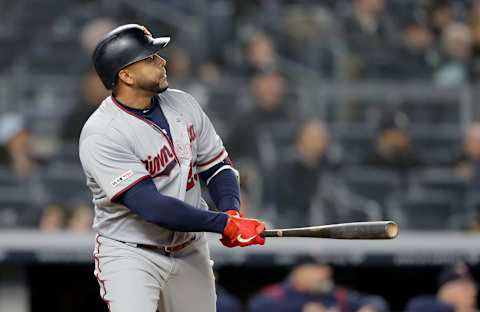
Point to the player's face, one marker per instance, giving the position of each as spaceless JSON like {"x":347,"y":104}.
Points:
{"x":151,"y":74}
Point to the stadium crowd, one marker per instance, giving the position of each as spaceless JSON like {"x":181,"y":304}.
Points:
{"x":305,"y":153}
{"x":332,"y":110}
{"x":311,"y":287}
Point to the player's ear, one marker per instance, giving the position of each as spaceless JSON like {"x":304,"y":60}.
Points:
{"x":126,"y":77}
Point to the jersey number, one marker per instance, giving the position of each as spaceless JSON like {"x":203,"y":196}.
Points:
{"x":192,"y":178}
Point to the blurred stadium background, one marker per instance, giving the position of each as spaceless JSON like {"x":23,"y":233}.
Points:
{"x":332,"y":110}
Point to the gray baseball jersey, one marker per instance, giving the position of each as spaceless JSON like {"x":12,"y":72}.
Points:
{"x":119,"y":149}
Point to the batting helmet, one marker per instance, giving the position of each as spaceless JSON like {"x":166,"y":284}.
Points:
{"x":121,"y":47}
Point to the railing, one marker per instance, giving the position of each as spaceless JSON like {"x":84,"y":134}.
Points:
{"x":409,"y":248}
{"x":345,"y":102}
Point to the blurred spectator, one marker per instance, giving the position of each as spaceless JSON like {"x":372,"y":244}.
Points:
{"x":268,"y":92}
{"x":93,"y":31}
{"x":258,"y":54}
{"x":258,"y":135}
{"x":81,"y":218}
{"x":15,"y":145}
{"x":309,"y":31}
{"x":25,"y":177}
{"x":440,"y":14}
{"x":181,"y":76}
{"x":93,"y":93}
{"x":217,"y":92}
{"x":310,"y":288}
{"x":470,"y":154}
{"x":417,"y":53}
{"x":393,"y":149}
{"x":209,"y":74}
{"x":90,"y":34}
{"x":251,"y":193}
{"x":457,"y":50}
{"x":306,"y":189}
{"x":297,"y":180}
{"x":75,"y":217}
{"x":457,"y":292}
{"x":467,"y":166}
{"x":474,"y":25}
{"x":245,"y":201}
{"x":254,"y":10}
{"x":53,"y":218}
{"x":371,"y":37}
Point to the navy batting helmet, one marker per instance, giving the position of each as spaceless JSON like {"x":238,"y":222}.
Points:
{"x":123,"y":46}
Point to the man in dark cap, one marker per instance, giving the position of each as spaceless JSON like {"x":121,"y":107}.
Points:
{"x":457,"y":292}
{"x":310,"y":287}
{"x":392,"y":147}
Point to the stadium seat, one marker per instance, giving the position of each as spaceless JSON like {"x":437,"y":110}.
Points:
{"x":371,"y":182}
{"x":356,"y":140}
{"x":67,"y":154}
{"x":6,"y":176}
{"x":14,"y":207}
{"x":440,"y":179}
{"x":66,"y":183}
{"x":424,"y":210}
{"x":436,"y":146}
{"x":275,"y":141}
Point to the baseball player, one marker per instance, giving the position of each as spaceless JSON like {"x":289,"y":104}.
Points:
{"x":143,"y":152}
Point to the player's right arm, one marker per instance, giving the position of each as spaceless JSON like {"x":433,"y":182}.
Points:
{"x":176,"y":215}
{"x":169,"y":212}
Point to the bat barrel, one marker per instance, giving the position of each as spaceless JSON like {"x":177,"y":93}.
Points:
{"x":365,"y":230}
{"x":354,"y":230}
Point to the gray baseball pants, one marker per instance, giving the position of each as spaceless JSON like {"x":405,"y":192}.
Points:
{"x":133,"y":279}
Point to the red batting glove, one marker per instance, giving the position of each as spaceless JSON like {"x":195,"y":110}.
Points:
{"x":225,"y":241}
{"x":243,"y":232}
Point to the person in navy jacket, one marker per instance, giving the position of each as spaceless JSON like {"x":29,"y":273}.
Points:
{"x":457,"y":292}
{"x":310,"y":288}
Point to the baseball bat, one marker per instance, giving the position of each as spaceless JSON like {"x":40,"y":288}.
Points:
{"x":354,"y":230}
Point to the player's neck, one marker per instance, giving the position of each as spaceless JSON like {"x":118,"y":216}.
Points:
{"x":135,"y":101}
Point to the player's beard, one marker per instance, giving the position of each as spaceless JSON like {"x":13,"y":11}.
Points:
{"x":153,"y":86}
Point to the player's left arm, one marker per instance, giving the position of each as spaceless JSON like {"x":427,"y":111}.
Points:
{"x":223,"y":186}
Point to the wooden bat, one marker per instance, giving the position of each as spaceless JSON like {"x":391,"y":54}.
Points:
{"x":354,"y":230}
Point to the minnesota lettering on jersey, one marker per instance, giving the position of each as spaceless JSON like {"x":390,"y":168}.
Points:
{"x":161,"y":164}
{"x":164,"y":161}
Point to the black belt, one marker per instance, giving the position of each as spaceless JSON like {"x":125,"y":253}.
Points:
{"x":165,"y":249}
